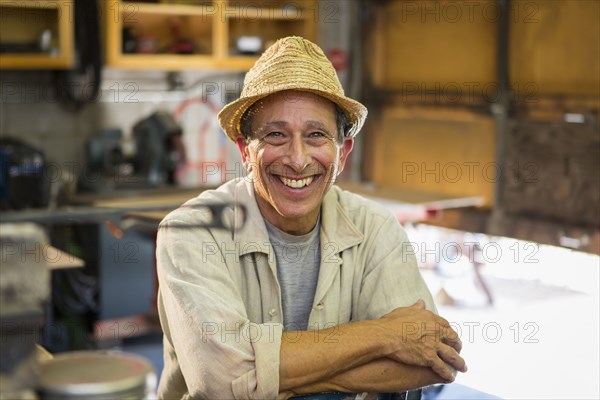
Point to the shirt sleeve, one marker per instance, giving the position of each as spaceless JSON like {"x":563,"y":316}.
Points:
{"x":391,"y":277}
{"x":220,"y":353}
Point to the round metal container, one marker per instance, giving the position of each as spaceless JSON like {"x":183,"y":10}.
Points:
{"x":94,"y":375}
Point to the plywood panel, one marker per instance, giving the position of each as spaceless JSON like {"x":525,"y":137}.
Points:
{"x":436,"y":42}
{"x":555,"y":45}
{"x":448,"y":152}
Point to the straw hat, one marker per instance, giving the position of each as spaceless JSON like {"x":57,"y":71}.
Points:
{"x":291,"y":63}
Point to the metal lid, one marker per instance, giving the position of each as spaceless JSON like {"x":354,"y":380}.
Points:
{"x":95,"y":373}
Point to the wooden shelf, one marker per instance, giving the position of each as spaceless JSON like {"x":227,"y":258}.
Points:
{"x":211,"y":27}
{"x":32,"y":4}
{"x":267,"y":14}
{"x":24,"y":21}
{"x":168,"y":9}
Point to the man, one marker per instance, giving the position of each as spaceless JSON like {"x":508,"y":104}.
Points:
{"x":315,"y":294}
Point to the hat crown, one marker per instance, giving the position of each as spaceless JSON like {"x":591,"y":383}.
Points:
{"x":292,"y":63}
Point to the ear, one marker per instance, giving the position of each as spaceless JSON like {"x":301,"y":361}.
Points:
{"x":243,"y":148}
{"x":346,"y":148}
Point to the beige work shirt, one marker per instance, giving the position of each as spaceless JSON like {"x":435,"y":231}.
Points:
{"x":220,"y":302}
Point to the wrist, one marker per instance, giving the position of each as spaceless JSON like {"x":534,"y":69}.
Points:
{"x":384,"y":343}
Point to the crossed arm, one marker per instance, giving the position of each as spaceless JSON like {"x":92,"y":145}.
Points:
{"x":408,"y":348}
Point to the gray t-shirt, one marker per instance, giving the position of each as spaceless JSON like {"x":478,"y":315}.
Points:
{"x":298,"y":260}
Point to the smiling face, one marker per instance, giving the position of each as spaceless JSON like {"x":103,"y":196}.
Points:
{"x":294,"y":155}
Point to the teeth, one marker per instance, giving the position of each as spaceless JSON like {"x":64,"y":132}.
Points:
{"x":297,"y":184}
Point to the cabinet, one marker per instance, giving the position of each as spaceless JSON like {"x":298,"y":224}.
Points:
{"x":184,"y":34}
{"x":433,"y":70}
{"x":36,"y":34}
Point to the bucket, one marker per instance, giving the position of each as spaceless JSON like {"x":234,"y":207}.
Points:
{"x":95,"y":375}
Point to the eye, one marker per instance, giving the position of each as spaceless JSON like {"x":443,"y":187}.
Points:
{"x":318,"y":138}
{"x":275,"y":137}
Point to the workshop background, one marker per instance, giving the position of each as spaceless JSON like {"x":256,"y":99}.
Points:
{"x":482,"y":137}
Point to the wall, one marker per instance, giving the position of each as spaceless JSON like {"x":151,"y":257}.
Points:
{"x":31,"y":110}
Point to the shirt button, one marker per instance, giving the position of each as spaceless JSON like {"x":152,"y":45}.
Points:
{"x":319,"y":306}
{"x":272,"y":312}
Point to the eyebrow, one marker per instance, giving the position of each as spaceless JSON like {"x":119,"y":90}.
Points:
{"x":311,"y":124}
{"x":317,"y":125}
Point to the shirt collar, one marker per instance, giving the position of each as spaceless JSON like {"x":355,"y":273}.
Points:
{"x":254,"y":236}
{"x":336,"y":225}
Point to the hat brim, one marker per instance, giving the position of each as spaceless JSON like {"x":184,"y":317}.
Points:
{"x":231,"y":115}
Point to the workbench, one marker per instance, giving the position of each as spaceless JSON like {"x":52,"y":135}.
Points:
{"x":407,"y":205}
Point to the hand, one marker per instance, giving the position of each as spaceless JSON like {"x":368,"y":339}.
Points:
{"x":424,"y":339}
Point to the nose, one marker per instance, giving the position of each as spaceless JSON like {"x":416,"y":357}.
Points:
{"x":298,"y":154}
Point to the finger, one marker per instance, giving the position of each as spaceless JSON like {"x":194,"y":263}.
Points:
{"x":452,"y":358}
{"x":442,"y":321}
{"x":444,"y":371}
{"x":451,"y":339}
{"x":456,"y":345}
{"x":419,"y":304}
